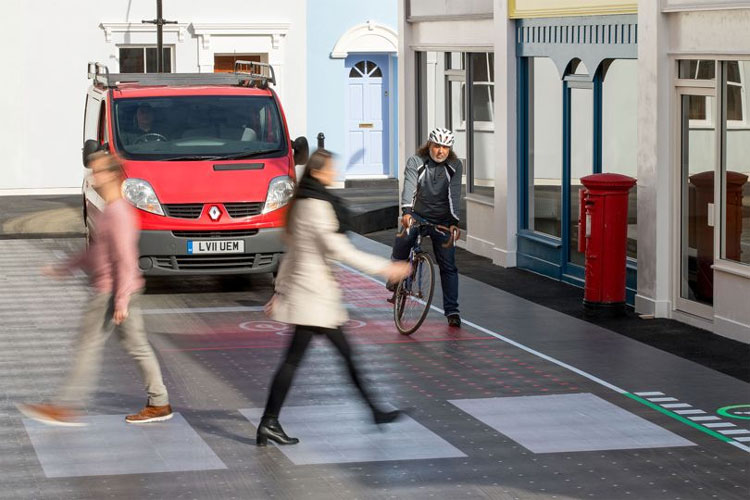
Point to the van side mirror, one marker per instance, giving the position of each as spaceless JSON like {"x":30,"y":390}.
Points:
{"x":301,"y":150}
{"x":89,"y":147}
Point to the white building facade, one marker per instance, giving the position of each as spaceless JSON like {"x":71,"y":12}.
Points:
{"x":43,"y":91}
{"x":544,"y":92}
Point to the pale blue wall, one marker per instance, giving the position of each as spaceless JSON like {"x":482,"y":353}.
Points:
{"x":327,"y":20}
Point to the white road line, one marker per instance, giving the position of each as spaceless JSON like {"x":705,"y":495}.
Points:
{"x":743,"y":439}
{"x":703,"y":419}
{"x":662,"y":400}
{"x":676,"y":405}
{"x":646,"y":394}
{"x":510,"y":341}
{"x":732,"y":432}
{"x":690,"y":412}
{"x":719,"y":425}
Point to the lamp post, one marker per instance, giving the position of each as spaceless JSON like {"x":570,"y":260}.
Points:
{"x":159,"y":22}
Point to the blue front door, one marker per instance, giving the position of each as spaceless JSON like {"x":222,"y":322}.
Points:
{"x":367,"y":115}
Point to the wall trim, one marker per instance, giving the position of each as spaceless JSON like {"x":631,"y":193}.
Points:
{"x":504,"y":258}
{"x":479,"y":246}
{"x":514,"y":12}
{"x":120,"y":28}
{"x":355,"y":40}
{"x":205,"y":31}
{"x":732,"y":329}
{"x":39,"y":191}
{"x":672,"y":6}
{"x":657,"y":308}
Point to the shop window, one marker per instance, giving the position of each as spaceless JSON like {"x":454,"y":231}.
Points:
{"x":143,"y":59}
{"x":481,"y":128}
{"x":735,"y":165}
{"x":619,"y":132}
{"x":544,"y":161}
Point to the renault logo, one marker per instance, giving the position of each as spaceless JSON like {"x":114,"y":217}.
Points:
{"x":214,"y":212}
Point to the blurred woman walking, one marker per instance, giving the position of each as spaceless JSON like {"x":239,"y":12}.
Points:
{"x":307,"y":294}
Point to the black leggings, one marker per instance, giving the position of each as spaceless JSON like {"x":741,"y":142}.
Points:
{"x":294,"y":354}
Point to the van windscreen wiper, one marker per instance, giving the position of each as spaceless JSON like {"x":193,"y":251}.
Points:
{"x":249,"y":154}
{"x":192,"y":157}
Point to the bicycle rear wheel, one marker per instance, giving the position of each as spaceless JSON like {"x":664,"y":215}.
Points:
{"x":414,"y":295}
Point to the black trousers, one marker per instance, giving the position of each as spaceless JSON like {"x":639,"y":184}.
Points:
{"x":282,"y":381}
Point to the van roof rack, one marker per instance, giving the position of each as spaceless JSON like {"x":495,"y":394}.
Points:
{"x":246,"y":74}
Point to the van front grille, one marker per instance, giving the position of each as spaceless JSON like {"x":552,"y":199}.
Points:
{"x":230,"y":233}
{"x":213,"y":262}
{"x":184,"y":210}
{"x":239,"y":210}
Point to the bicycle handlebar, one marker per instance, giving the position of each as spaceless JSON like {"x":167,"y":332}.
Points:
{"x":439,"y":227}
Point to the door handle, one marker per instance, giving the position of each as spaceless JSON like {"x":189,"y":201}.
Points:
{"x":365,"y":125}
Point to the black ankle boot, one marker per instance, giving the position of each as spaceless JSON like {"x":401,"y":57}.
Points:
{"x":385,"y":417}
{"x":270,"y":428}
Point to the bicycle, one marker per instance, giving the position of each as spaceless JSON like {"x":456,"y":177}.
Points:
{"x":413,"y":295}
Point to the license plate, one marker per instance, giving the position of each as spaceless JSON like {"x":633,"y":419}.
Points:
{"x":215,"y":246}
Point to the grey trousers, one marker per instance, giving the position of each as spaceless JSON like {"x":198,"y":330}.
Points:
{"x":96,"y":328}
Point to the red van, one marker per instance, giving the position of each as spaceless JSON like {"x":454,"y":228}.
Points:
{"x":208,"y":163}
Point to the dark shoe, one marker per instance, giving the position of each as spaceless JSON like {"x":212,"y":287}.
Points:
{"x":51,"y":415}
{"x":454,"y":320}
{"x":151,"y":414}
{"x":391,"y":285}
{"x":386,"y":417}
{"x":270,"y":428}
{"x":392,"y":299}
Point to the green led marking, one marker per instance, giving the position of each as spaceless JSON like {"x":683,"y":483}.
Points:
{"x":680,"y":418}
{"x":724,"y":412}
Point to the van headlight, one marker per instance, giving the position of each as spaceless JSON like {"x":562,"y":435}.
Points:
{"x":141,"y":195}
{"x":280,"y":191}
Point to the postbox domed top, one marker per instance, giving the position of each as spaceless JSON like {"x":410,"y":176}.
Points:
{"x":608,"y":181}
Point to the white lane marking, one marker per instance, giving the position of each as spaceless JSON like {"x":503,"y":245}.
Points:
{"x":646,"y":394}
{"x":743,"y":439}
{"x":510,"y":341}
{"x":740,"y":446}
{"x":703,"y":419}
{"x":662,"y":400}
{"x":689,"y":412}
{"x":677,"y":405}
{"x":719,"y":425}
{"x":735,"y":431}
{"x":198,"y":310}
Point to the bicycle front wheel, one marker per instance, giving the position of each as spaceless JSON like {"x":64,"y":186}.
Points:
{"x":414,"y":295}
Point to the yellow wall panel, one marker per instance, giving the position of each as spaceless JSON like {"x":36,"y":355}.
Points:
{"x":554,"y":8}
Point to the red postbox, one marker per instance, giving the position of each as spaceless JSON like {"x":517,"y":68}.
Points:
{"x":603,"y":230}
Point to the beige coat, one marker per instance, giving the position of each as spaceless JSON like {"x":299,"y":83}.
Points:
{"x":306,"y":289}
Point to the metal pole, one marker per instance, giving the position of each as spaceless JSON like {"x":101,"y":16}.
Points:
{"x":159,"y":38}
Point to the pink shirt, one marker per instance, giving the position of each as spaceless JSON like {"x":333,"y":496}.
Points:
{"x":111,"y":259}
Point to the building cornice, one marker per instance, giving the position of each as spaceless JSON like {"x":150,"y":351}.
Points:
{"x":112,"y":28}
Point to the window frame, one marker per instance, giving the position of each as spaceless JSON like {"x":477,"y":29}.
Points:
{"x":143,"y":47}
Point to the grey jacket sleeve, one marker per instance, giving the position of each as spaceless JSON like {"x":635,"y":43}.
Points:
{"x":455,"y":190}
{"x":410,"y":185}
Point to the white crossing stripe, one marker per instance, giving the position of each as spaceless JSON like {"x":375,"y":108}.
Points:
{"x":677,"y":405}
{"x":646,"y":394}
{"x":719,"y":425}
{"x":661,"y":400}
{"x":703,"y":419}
{"x":690,"y":412}
{"x":196,"y":310}
{"x":731,"y":432}
{"x":743,"y":439}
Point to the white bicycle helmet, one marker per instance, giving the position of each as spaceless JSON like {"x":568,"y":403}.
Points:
{"x":442,"y":136}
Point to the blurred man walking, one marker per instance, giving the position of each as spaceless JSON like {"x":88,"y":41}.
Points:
{"x":111,"y":260}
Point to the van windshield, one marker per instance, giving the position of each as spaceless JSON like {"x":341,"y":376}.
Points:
{"x":198,"y":127}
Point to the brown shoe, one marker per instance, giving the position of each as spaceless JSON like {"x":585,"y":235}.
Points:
{"x":150,"y":414}
{"x":51,"y":415}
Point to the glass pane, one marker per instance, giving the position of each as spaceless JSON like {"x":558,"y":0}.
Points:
{"x":456,"y":60}
{"x":697,"y":107}
{"x":361,"y":67}
{"x":377,"y":73}
{"x":696,"y":70}
{"x":545,"y":116}
{"x":131,"y":60}
{"x":733,"y":71}
{"x":151,"y":66}
{"x":481,"y":102}
{"x":736,"y":224}
{"x":581,"y":158}
{"x":354,"y":73}
{"x":619,"y":133}
{"x":697,"y":150}
{"x":479,"y":68}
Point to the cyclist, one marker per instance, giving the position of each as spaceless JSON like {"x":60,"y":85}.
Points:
{"x":431,"y":193}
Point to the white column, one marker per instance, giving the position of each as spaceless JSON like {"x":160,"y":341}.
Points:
{"x":406,"y":92}
{"x":506,"y":167}
{"x":655,"y":174}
